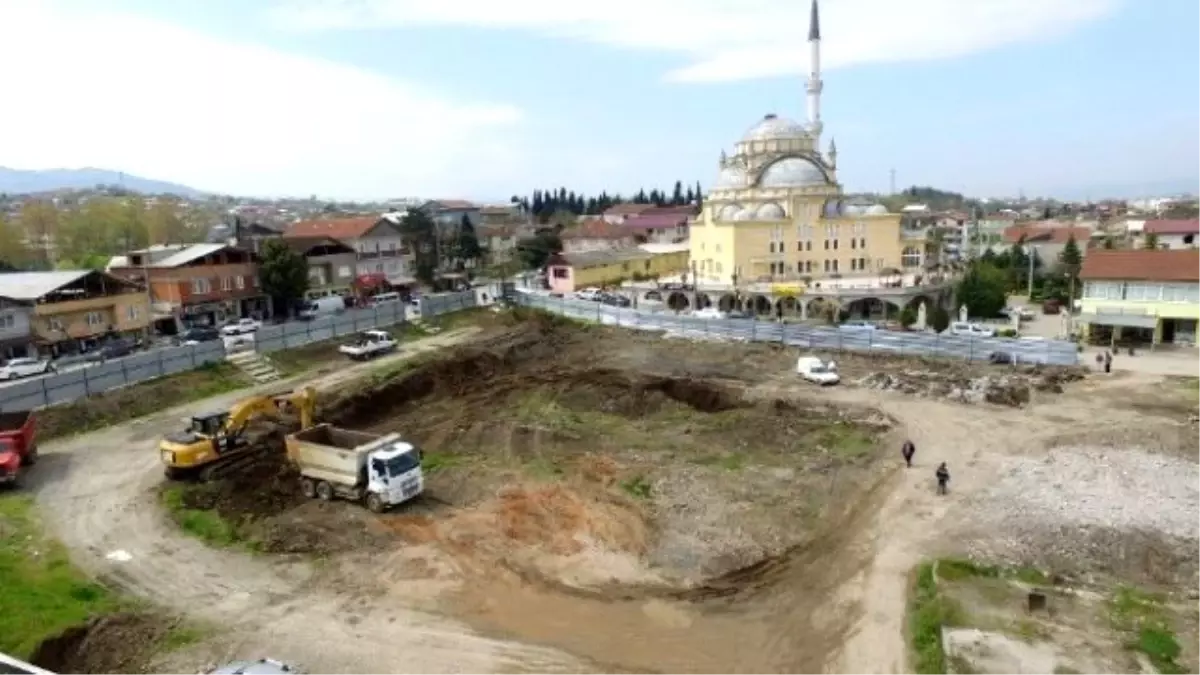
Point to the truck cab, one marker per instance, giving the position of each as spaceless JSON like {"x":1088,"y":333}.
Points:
{"x":18,"y":444}
{"x":394,"y":473}
{"x":380,"y":471}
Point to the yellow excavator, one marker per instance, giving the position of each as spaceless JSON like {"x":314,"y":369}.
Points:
{"x":217,"y":443}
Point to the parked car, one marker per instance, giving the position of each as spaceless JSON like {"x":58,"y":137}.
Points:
{"x":259,"y":667}
{"x":15,"y":369}
{"x":333,"y":304}
{"x":709,"y":313}
{"x":112,"y":349}
{"x":369,"y":344}
{"x":1022,"y":312}
{"x":966,"y":329}
{"x":615,"y":300}
{"x":198,"y":334}
{"x":241,"y":327}
{"x":592,"y":294}
{"x":815,"y":370}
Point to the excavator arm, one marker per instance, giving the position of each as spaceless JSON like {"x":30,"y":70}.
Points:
{"x":302,"y":401}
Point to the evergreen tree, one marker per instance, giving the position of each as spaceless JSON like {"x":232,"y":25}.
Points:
{"x":466,"y":245}
{"x":284,"y":274}
{"x":1070,"y":256}
{"x":677,"y":195}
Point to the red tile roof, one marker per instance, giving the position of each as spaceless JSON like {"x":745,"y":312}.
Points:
{"x":683,"y":209}
{"x":336,"y":228}
{"x":627,"y":209}
{"x":1142,"y":265}
{"x":1173,"y":226}
{"x":596,"y":229}
{"x":1040,"y":233}
{"x":655,"y":220}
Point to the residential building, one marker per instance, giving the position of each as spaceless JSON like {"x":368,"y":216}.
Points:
{"x":596,"y":235}
{"x":657,"y":226}
{"x":378,"y":244}
{"x":331,"y":265}
{"x":197,"y":284}
{"x":1170,"y":234}
{"x":16,"y":329}
{"x":568,"y":272}
{"x":449,"y":213}
{"x":619,"y":213}
{"x":500,"y":242}
{"x":501,"y":215}
{"x":66,"y":312}
{"x":1141,"y":296}
{"x":1047,"y":238}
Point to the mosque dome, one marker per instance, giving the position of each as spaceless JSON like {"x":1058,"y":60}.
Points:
{"x":731,"y":178}
{"x":773,"y":127}
{"x":876,"y":210}
{"x":769,"y":211}
{"x":728,"y":212}
{"x":791,"y":172}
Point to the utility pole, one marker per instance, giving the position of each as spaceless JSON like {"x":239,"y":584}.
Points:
{"x":1029,"y":289}
{"x":695,"y":287}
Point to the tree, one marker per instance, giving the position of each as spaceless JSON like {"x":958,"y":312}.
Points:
{"x":536,"y":250}
{"x":466,"y":245}
{"x":419,"y":230}
{"x":1151,"y":243}
{"x":1070,"y":256}
{"x":283,"y":272}
{"x":983,"y":289}
{"x":13,"y":252}
{"x":908,"y":316}
{"x":939,"y":318}
{"x":39,"y":219}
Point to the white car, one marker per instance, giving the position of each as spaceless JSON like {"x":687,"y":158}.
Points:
{"x":1023,"y":313}
{"x":965,"y":329}
{"x":592,"y":294}
{"x":370,"y":343}
{"x":857,"y":325}
{"x":817,"y":371}
{"x":25,"y":367}
{"x":709,"y":313}
{"x":241,"y":327}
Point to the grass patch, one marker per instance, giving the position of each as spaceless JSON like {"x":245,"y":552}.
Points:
{"x":439,"y":461}
{"x":729,"y":462}
{"x":1142,"y":615}
{"x":122,"y":405}
{"x":956,"y":569}
{"x":928,"y":612}
{"x":182,"y":635}
{"x":638,"y":486}
{"x":846,"y":440}
{"x":41,"y":594}
{"x":207,"y":526}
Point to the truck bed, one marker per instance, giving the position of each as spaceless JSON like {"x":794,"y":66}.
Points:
{"x":326,"y":434}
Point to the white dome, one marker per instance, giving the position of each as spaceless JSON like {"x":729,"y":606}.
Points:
{"x":728,"y":212}
{"x":769,"y":211}
{"x":744,"y":214}
{"x":731,"y":178}
{"x":853,"y":210}
{"x":877,"y":210}
{"x":772,"y":127}
{"x":792,"y":172}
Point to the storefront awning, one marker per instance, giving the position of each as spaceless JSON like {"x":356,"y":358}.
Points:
{"x":1123,"y":320}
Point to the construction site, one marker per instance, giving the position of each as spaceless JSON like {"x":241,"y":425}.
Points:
{"x":602,"y":500}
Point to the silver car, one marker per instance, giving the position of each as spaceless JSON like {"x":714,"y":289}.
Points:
{"x":25,"y":367}
{"x":259,"y":667}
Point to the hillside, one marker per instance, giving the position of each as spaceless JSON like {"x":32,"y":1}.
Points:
{"x":17,"y":181}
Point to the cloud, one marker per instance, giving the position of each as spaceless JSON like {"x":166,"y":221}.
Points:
{"x":134,"y":94}
{"x":726,"y":40}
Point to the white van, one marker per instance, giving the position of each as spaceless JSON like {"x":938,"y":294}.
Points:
{"x":377,"y":300}
{"x":331,"y":304}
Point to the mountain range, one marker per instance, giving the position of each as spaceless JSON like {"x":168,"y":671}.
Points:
{"x":18,"y":181}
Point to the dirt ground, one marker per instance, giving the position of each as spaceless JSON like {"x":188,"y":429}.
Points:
{"x":118,"y":643}
{"x":693,"y":506}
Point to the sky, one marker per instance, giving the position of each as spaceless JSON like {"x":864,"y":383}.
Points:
{"x":481,"y":99}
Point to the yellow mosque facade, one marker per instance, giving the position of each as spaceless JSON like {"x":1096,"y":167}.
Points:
{"x":776,"y":211}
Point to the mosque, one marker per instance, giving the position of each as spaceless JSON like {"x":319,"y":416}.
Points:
{"x":776,"y":211}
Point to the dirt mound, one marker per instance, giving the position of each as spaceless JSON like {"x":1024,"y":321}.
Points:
{"x":1011,"y":388}
{"x":120,"y":643}
{"x":265,"y":488}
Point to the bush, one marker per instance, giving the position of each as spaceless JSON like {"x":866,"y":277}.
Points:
{"x":908,"y":316}
{"x":939,"y":319}
{"x":1007,"y":333}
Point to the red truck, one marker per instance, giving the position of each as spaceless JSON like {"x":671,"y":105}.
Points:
{"x":18,"y":444}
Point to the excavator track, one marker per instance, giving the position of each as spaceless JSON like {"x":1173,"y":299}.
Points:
{"x":239,"y":460}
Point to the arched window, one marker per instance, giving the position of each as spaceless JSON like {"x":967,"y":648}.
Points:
{"x":910,"y":257}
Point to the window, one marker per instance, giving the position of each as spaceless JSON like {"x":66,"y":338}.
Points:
{"x":560,"y":272}
{"x":826,"y":265}
{"x":256,"y":281}
{"x":94,"y":319}
{"x":862,"y":242}
{"x":910,"y":257}
{"x":54,"y":324}
{"x":7,"y":321}
{"x":718,"y":248}
{"x":240,"y":282}
{"x":718,"y":268}
{"x":853,"y":243}
{"x":201,"y":285}
{"x":835,"y":265}
{"x":344,"y":272}
{"x":227,"y":283}
{"x":826,"y":244}
{"x":808,"y":265}
{"x":1181,"y":293}
{"x":131,"y":312}
{"x":835,"y":244}
{"x":808,"y":246}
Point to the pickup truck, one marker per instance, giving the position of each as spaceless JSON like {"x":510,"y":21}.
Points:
{"x":18,"y":444}
{"x":369,"y":344}
{"x":379,"y":471}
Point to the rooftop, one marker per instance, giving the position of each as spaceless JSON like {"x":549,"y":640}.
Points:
{"x":1142,"y":265}
{"x":654,"y":220}
{"x":334,"y":228}
{"x":34,"y":285}
{"x":595,"y":229}
{"x":597,"y":258}
{"x":1046,"y":232}
{"x":1172,"y":226}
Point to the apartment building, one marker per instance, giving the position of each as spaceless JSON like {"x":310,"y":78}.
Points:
{"x":331,"y":265}
{"x":1150,"y":297}
{"x":377,"y":242}
{"x":196,"y":284}
{"x":65,"y":312}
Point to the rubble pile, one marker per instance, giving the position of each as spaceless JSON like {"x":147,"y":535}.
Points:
{"x":1011,"y":388}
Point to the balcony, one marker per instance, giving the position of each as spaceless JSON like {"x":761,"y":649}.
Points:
{"x":94,"y":304}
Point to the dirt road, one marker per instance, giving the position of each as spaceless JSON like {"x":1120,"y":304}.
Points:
{"x":97,"y":492}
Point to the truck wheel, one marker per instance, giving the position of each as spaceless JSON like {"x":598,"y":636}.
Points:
{"x":31,"y":457}
{"x":324,"y":491}
{"x":375,"y":503}
{"x":308,"y":488}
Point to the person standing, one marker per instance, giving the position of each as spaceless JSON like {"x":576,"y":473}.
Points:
{"x":943,"y":478}
{"x":907,"y":451}
{"x":1108,"y":357}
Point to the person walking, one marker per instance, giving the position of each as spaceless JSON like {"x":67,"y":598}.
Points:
{"x":1108,"y":357}
{"x":907,"y":451}
{"x":943,"y":478}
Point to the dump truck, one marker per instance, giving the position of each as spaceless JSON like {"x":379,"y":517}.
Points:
{"x":379,"y":471}
{"x":18,"y":444}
